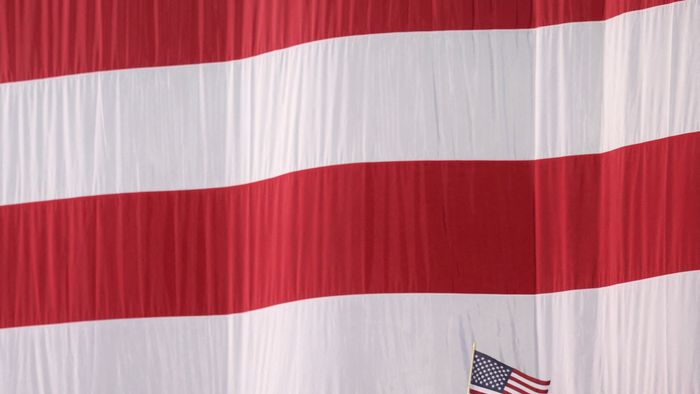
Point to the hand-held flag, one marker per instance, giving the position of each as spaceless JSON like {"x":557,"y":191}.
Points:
{"x":489,"y":376}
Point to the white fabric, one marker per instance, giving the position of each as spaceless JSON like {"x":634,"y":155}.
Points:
{"x":628,"y":338}
{"x":529,"y":382}
{"x":492,"y":95}
{"x":483,"y":390}
{"x":519,"y":386}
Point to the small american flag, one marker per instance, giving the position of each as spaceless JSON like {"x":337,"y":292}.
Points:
{"x":490,"y":376}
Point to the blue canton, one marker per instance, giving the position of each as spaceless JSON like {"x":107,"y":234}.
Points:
{"x":489,"y":373}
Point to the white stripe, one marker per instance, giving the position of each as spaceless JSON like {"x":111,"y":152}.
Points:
{"x":493,"y":95}
{"x":640,"y":337}
{"x":520,"y":386}
{"x":530,"y":382}
{"x":483,"y":390}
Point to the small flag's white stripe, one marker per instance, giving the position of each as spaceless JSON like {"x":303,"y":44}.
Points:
{"x":447,"y":95}
{"x":525,"y":379}
{"x":520,"y":386}
{"x":483,"y":390}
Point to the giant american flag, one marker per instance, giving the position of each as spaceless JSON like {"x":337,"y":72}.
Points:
{"x":316,"y":196}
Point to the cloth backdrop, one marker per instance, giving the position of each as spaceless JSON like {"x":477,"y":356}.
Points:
{"x":311,"y":196}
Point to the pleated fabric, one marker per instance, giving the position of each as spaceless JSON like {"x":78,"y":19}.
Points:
{"x":308,"y":196}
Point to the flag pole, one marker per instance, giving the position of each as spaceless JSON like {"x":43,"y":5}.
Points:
{"x":471,"y":367}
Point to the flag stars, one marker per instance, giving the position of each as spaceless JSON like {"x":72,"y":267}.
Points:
{"x":489,"y":373}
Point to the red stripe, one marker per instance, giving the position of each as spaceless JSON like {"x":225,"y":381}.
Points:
{"x":516,"y":389}
{"x":448,"y":227}
{"x":528,"y":386}
{"x":44,"y":38}
{"x":524,"y":376}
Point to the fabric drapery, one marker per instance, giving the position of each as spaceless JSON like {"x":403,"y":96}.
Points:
{"x":287,"y":196}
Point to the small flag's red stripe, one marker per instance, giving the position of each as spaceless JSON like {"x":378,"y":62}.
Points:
{"x":516,"y":389}
{"x":40,"y":38}
{"x":480,"y":391}
{"x":528,"y":377}
{"x":521,"y":381}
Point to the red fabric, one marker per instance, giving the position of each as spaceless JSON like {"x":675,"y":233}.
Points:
{"x":44,"y":38}
{"x":523,"y":376}
{"x":515,"y":389}
{"x":523,"y":383}
{"x":459,"y":227}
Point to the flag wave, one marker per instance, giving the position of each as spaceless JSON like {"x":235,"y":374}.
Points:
{"x":310,"y":196}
